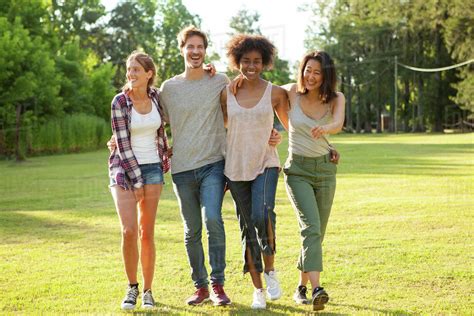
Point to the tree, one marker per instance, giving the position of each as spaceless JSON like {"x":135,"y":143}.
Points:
{"x":29,"y":84}
{"x":173,"y":17}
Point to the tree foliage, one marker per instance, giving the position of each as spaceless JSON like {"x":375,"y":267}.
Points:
{"x":364,"y":37}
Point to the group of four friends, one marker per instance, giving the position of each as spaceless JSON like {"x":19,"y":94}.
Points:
{"x":223,"y":136}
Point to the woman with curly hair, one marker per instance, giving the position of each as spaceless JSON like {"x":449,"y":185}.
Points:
{"x":252,"y":165}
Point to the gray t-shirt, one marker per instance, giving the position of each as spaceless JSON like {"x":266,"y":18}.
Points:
{"x":192,"y":108}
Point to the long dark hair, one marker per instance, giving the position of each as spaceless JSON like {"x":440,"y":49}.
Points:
{"x":327,"y":91}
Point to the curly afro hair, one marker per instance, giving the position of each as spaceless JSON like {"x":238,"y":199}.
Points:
{"x":241,"y":44}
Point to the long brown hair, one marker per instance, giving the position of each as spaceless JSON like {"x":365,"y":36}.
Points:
{"x":147,"y":63}
{"x":327,"y":91}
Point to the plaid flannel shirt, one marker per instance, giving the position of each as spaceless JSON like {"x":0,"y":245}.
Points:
{"x":123,"y":166}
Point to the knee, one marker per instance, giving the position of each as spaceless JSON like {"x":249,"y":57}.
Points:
{"x":311,"y":231}
{"x":146,"y":235}
{"x":214,"y":225}
{"x":129,"y":233}
{"x":192,"y":235}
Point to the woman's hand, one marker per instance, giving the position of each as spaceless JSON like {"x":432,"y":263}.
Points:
{"x":111,"y":144}
{"x":334,"y":156}
{"x":210,"y":68}
{"x":236,"y":83}
{"x":275,"y":138}
{"x":139,"y":194}
{"x":318,"y":131}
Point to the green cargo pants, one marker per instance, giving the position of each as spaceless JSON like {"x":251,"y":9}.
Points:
{"x":311,"y":184}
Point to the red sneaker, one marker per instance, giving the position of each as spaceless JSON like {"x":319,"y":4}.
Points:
{"x":218,"y":295}
{"x":200,"y":296}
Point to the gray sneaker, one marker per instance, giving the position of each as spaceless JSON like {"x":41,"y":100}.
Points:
{"x":147,"y":300}
{"x":319,"y":298}
{"x":130,"y":300}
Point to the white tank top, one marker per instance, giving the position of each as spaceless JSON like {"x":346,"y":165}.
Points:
{"x":248,"y":132}
{"x":143,"y":135}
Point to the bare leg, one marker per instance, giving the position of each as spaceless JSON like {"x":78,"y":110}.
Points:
{"x":127,"y":211}
{"x":148,"y":209}
{"x":269,"y":260}
{"x":254,"y":274}
{"x":304,"y":278}
{"x":314,"y":278}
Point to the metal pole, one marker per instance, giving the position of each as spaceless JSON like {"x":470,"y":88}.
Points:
{"x":395,"y":75}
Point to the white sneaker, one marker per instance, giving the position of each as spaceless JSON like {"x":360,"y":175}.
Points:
{"x":258,"y":299}
{"x":273,"y":285}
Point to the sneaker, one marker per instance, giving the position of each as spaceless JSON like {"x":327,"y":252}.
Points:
{"x":258,"y":299}
{"x":320,"y":297}
{"x":147,"y":300}
{"x":200,"y":296}
{"x":130,"y":300}
{"x":218,"y":295}
{"x":300,"y":295}
{"x":273,"y":286}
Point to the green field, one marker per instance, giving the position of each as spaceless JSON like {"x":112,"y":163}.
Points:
{"x":399,"y":240}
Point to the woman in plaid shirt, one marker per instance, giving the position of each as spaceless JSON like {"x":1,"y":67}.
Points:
{"x":136,"y":168}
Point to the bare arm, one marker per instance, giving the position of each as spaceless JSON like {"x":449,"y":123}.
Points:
{"x":223,"y":99}
{"x":281,"y":105}
{"x":338,"y":112}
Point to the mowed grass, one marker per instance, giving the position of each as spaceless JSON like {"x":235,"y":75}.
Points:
{"x":399,"y":239}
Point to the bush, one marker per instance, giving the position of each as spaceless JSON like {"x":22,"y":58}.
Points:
{"x":73,"y":133}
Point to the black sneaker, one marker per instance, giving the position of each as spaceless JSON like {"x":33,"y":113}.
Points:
{"x":147,"y":300}
{"x":320,"y":297}
{"x":300,"y":295}
{"x":130,"y":300}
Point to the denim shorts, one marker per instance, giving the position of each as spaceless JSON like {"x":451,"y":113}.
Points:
{"x":152,"y":173}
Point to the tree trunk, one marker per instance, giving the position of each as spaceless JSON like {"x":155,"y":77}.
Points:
{"x":18,"y":155}
{"x":359,"y":100}
{"x":349,"y":103}
{"x":420,"y":121}
{"x":379,"y":109}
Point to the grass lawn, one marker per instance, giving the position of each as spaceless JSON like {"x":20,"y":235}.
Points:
{"x":399,"y":240}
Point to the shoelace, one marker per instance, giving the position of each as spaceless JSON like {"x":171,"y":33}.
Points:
{"x":218,"y":289}
{"x":147,"y":297}
{"x":132,"y":294}
{"x":303,"y":291}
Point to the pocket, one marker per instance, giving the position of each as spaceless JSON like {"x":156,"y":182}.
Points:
{"x":328,"y":168}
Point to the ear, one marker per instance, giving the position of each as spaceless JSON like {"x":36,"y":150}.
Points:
{"x":149,"y":74}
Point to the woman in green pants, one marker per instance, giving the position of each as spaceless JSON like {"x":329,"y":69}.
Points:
{"x":317,"y":111}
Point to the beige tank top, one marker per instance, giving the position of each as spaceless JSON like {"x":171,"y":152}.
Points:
{"x":300,"y":140}
{"x":248,"y":131}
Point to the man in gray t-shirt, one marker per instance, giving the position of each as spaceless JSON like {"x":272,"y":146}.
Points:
{"x":191,"y":103}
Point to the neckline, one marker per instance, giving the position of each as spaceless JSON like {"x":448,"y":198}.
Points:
{"x":256,"y":104}
{"x":306,"y":115}
{"x":153,"y":105}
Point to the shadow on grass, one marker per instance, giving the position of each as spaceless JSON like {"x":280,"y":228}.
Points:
{"x":15,"y":225}
{"x":372,"y":310}
{"x":397,"y":158}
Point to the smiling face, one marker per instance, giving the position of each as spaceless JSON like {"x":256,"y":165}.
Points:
{"x":251,"y":65}
{"x":313,"y":75}
{"x":194,"y":52}
{"x":137,"y":77}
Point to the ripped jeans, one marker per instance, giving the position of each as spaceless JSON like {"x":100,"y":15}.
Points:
{"x":255,"y":203}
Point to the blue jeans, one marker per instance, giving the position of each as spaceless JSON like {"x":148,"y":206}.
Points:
{"x":200,"y":193}
{"x":255,"y":204}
